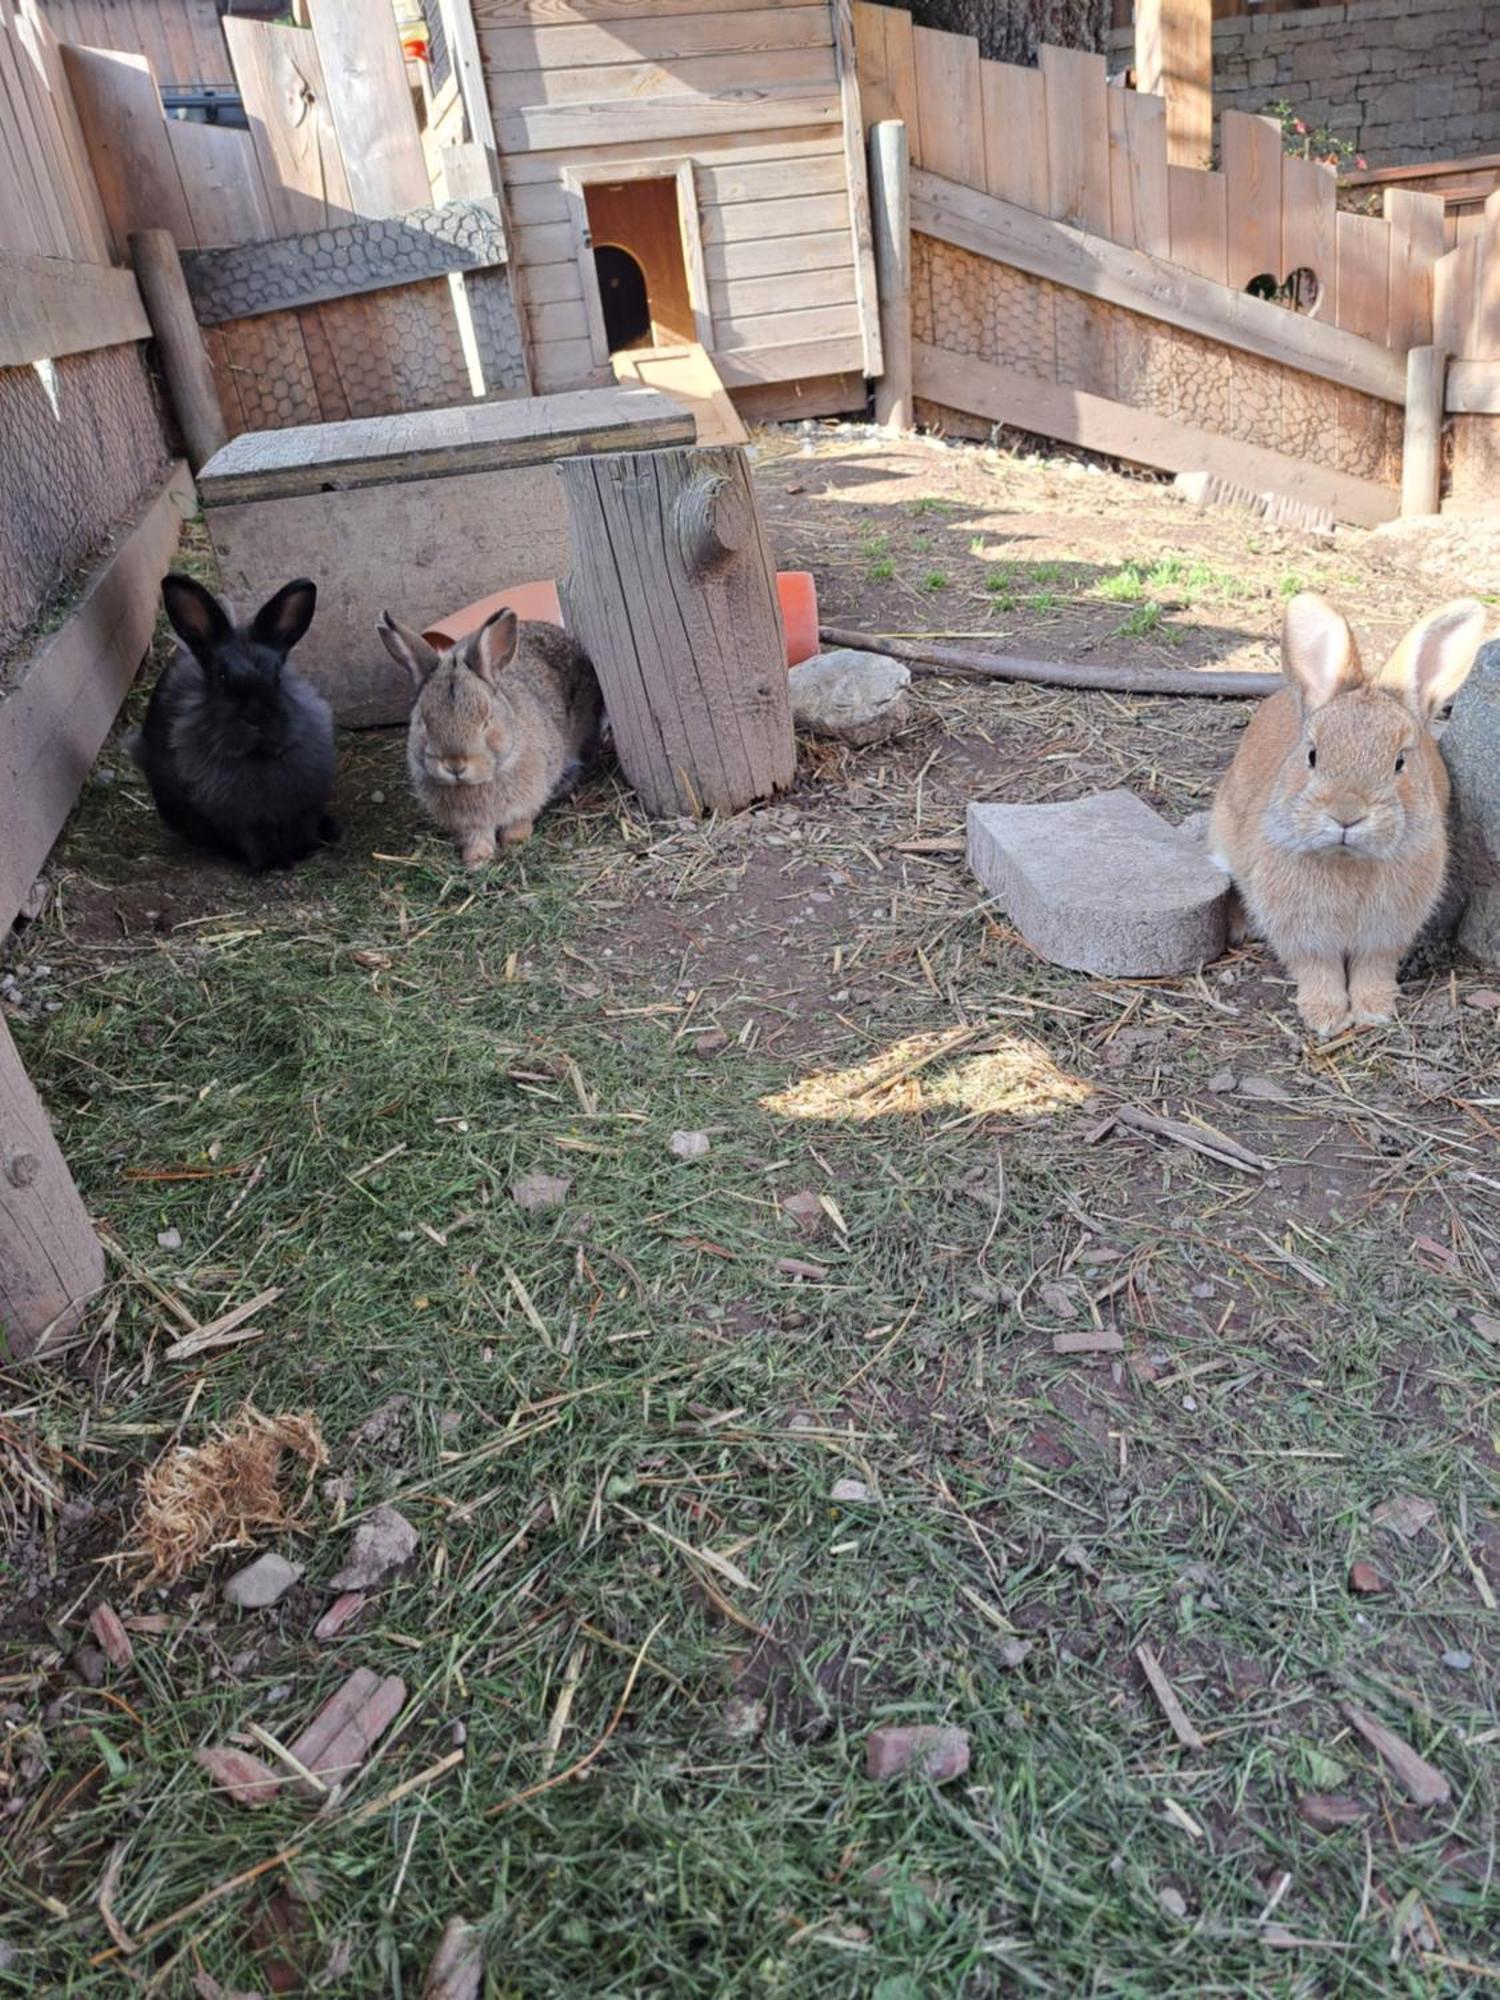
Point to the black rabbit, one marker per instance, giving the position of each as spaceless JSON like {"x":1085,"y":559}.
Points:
{"x":236,"y":747}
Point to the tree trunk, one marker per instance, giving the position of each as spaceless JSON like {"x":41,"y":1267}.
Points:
{"x":50,"y":1259}
{"x":1012,"y":30}
{"x":672,"y":594}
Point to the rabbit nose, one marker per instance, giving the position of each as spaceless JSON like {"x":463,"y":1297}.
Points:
{"x":457,"y":765}
{"x":1350,"y":817}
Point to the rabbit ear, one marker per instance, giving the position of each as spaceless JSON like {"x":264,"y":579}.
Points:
{"x":493,"y":647}
{"x":196,"y":615}
{"x":407,"y":649}
{"x":282,"y":619}
{"x":1432,"y":662}
{"x":1318,"y":654}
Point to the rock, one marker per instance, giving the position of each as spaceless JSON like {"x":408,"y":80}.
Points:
{"x":1221,"y":1081}
{"x":1366,"y":1581}
{"x":1459,"y":1661}
{"x":852,"y":696}
{"x":742,"y":1718}
{"x":381,"y":1544}
{"x":928,"y":1749}
{"x":1326,"y":1812}
{"x":688,"y":1145}
{"x":91,"y":1666}
{"x":261,"y":1583}
{"x":457,"y":1968}
{"x":709,"y":1044}
{"x":534,"y":1194}
{"x":1405,"y":1514}
{"x":169,"y":1239}
{"x":805,"y":1212}
{"x":846,"y":1491}
{"x":1102,"y":884}
{"x":1471,"y":750}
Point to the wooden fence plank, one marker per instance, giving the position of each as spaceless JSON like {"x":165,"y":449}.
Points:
{"x":1309,"y":209}
{"x":1014,"y":103}
{"x":1364,"y":253}
{"x":120,"y":112}
{"x":1077,"y":137}
{"x":952,"y":113}
{"x":30,"y":157}
{"x":1453,"y":291}
{"x":281,"y":81}
{"x":1252,"y":186}
{"x":90,"y":228}
{"x":50,"y":307}
{"x":1487,"y":283}
{"x":364,"y":78}
{"x":1174,"y":57}
{"x":901,"y":68}
{"x":859,"y":200}
{"x":1415,"y":221}
{"x":1099,"y":424}
{"x":1198,"y":208}
{"x":869,"y":50}
{"x":1101,"y":270}
{"x":1146,"y":137}
{"x":221,"y":184}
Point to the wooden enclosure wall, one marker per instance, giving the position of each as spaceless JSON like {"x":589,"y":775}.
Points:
{"x":182,"y":39}
{"x":333,"y":138}
{"x":761,"y":100}
{"x":1054,"y":245}
{"x":1466,"y":317}
{"x":1463,"y":186}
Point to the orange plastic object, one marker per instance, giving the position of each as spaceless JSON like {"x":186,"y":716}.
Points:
{"x":527,"y":600}
{"x":799,"y":613}
{"x":795,"y":588}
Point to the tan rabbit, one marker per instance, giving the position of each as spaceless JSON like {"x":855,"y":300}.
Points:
{"x":502,"y":723}
{"x":1332,"y":818}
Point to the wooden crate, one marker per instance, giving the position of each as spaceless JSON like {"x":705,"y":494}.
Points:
{"x":417,"y":515}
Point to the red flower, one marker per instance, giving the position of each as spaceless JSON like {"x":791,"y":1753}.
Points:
{"x":1359,"y":159}
{"x":1298,"y":126}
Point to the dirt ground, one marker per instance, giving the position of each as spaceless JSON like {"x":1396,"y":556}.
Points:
{"x":1099,"y":1399}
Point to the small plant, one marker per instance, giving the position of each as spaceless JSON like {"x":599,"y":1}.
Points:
{"x":927,"y":505}
{"x":1290,"y":582}
{"x":1043,"y":600}
{"x":1126,"y":586}
{"x":1143,"y":621}
{"x":1314,"y":142}
{"x":935,"y":579}
{"x":882,"y":569}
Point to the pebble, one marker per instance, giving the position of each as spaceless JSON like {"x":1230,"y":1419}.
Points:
{"x":169,"y":1239}
{"x":261,"y":1583}
{"x":850,"y":1489}
{"x":1460,"y":1662}
{"x":689,"y":1145}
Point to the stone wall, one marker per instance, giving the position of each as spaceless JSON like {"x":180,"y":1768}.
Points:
{"x":1404,"y":80}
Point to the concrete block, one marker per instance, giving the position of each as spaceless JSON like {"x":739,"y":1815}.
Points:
{"x":1101,"y":884}
{"x":1471,"y":749}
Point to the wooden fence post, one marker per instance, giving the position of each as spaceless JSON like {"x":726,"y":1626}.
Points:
{"x":890,"y":208}
{"x":50,"y":1259}
{"x":672,"y":593}
{"x":1422,"y":437}
{"x":184,"y":362}
{"x":1174,"y":56}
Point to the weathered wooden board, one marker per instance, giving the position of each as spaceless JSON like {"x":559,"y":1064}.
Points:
{"x":51,"y":1262}
{"x":49,"y":307}
{"x":53,"y":722}
{"x":1416,"y":231}
{"x":364,"y":79}
{"x":947,"y":83}
{"x":120,"y":111}
{"x":1077,"y":138}
{"x":687,"y":375}
{"x":281,"y":82}
{"x":1252,"y":185}
{"x":1105,"y":270}
{"x":1174,"y":56}
{"x":1015,"y":135}
{"x":1140,"y":436}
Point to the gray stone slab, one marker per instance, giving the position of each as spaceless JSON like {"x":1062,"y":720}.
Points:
{"x":1102,"y":884}
{"x":343,"y":260}
{"x":1471,"y":749}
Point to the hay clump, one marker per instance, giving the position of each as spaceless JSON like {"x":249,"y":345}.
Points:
{"x":30,"y":1474}
{"x":199,"y":1500}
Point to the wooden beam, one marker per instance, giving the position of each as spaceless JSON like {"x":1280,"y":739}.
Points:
{"x":1422,"y":438}
{"x":865,"y":293}
{"x":50,"y":1259}
{"x":370,"y":102}
{"x":1174,"y":57}
{"x":1139,"y":436}
{"x":52,"y":724}
{"x":1146,"y":284}
{"x":50,"y":307}
{"x":1473,"y":389}
{"x":179,"y":345}
{"x":890,"y":183}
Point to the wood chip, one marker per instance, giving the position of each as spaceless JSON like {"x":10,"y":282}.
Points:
{"x":343,"y":1754}
{"x":340,"y":1613}
{"x":798,"y":1267}
{"x":1171,"y":1707}
{"x":225,"y":1331}
{"x":114,"y":1640}
{"x":1423,"y":1785}
{"x":1200,"y":1139}
{"x":247,"y":1780}
{"x":1098,"y":1340}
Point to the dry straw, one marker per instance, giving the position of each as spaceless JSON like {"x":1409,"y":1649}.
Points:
{"x":197,"y":1500}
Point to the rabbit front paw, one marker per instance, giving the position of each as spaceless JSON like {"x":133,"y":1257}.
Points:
{"x":478,"y":849}
{"x":516,"y":832}
{"x":1322,"y":995}
{"x":1372,"y":991}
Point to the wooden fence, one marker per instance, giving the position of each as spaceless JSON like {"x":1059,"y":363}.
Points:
{"x":1066,"y":279}
{"x":1463,"y":187}
{"x":182,"y":39}
{"x":344,"y":321}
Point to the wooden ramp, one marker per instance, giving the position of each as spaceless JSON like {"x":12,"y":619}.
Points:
{"x":690,"y":378}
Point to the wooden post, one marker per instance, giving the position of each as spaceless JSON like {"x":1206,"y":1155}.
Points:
{"x":50,"y":1259}
{"x":184,"y":363}
{"x":890,"y":207}
{"x":1174,"y":56}
{"x":1422,"y":439}
{"x":672,"y":593}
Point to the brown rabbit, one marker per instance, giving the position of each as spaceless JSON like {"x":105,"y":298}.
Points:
{"x":1332,"y":818}
{"x":503,"y":722}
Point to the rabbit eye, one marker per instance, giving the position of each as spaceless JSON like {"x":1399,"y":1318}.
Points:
{"x":1312,"y":756}
{"x":1400,"y":761}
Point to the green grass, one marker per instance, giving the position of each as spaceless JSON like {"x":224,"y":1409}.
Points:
{"x":1144,"y":622}
{"x":935,"y":580}
{"x":370,"y":1052}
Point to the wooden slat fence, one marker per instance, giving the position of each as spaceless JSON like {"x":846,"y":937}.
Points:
{"x":182,"y":39}
{"x":1054,"y":244}
{"x":332,"y":142}
{"x":1467,"y":327}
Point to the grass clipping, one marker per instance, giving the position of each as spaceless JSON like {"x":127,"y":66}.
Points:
{"x":197,"y":1500}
